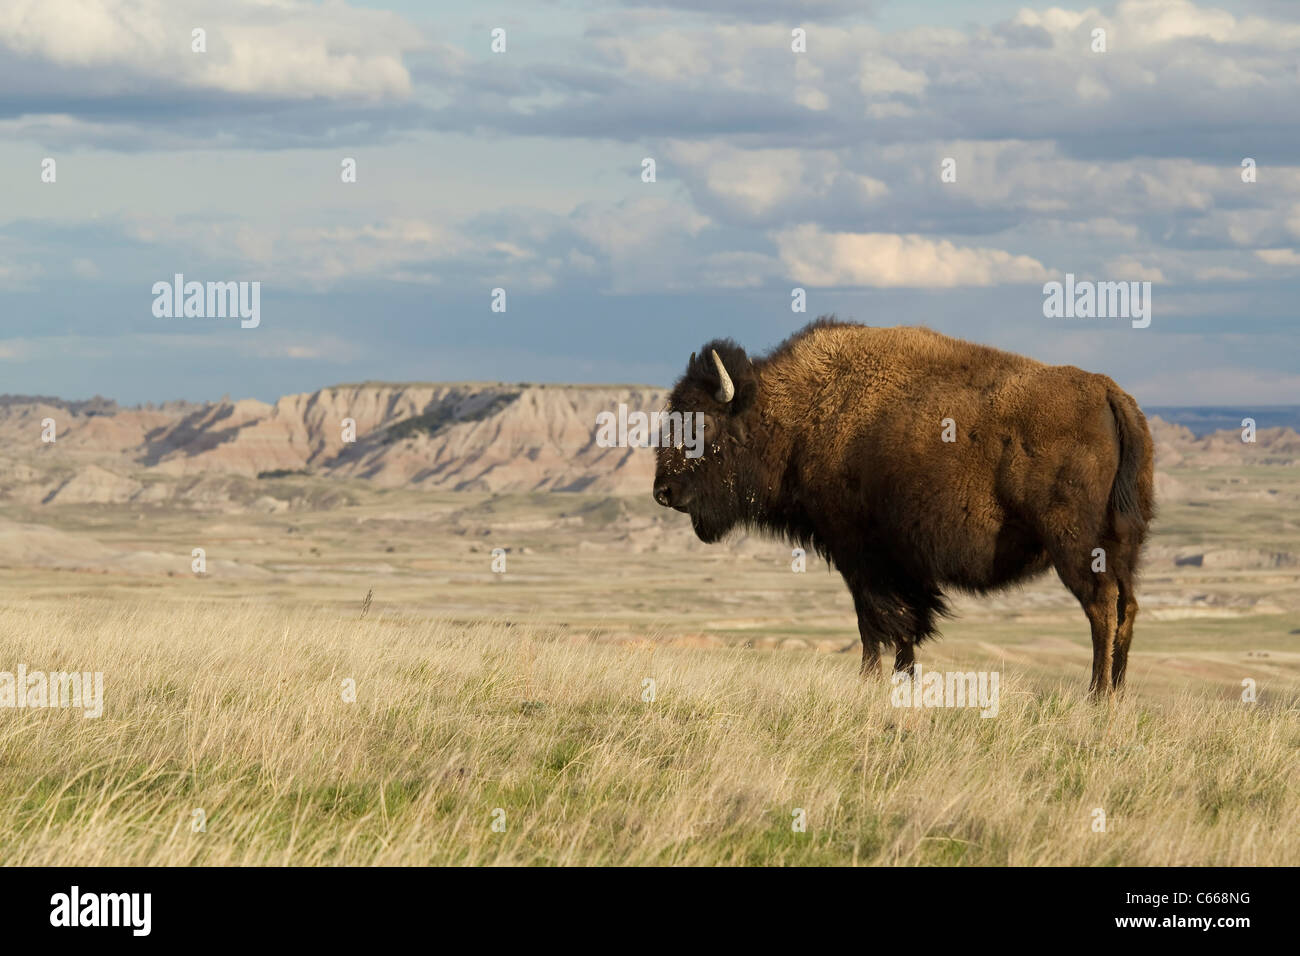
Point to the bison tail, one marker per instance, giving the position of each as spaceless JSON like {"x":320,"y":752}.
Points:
{"x":1131,"y":495}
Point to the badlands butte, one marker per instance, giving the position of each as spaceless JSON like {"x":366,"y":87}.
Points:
{"x":440,"y":475}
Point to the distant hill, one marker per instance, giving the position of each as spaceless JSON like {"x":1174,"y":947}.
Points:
{"x":1201,"y":420}
{"x":462,"y":436}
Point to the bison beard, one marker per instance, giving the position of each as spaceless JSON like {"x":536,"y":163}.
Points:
{"x":836,"y":442}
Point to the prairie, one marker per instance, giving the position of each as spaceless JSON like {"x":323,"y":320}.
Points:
{"x":349,"y":681}
{"x":228,"y":738}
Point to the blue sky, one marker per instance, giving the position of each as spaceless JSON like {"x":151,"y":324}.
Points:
{"x":522,"y":170}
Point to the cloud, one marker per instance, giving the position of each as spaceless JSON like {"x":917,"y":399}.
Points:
{"x":1221,"y":274}
{"x":1142,"y":23}
{"x":1218,"y":385}
{"x":881,"y":75}
{"x":85,"y":269}
{"x":290,"y":48}
{"x":645,"y":244}
{"x":1128,"y":269}
{"x":1207,"y":74}
{"x":764,"y":10}
{"x":521,"y":171}
{"x":18,"y":274}
{"x":631,"y":227}
{"x":309,"y":255}
{"x":1279,"y":257}
{"x":293,"y":72}
{"x":755,"y":186}
{"x":885,"y":260}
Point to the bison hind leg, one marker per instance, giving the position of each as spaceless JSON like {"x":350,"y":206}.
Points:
{"x":1099,"y":594}
{"x":1125,"y":568}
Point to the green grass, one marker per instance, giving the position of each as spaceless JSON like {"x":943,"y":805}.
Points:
{"x":238,"y":712}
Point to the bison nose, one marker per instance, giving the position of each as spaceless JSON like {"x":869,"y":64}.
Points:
{"x":672,"y":495}
{"x":664,"y":494}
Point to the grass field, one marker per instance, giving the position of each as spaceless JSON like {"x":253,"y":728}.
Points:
{"x":522,"y":692}
{"x":238,"y":710}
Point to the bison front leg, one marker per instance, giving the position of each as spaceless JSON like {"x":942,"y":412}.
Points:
{"x":891,"y":616}
{"x":873,"y":638}
{"x":905,"y":658}
{"x":870,"y":667}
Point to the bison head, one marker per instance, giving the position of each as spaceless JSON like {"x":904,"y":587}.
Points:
{"x":710,"y":486}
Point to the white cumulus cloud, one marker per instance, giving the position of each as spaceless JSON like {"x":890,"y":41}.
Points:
{"x":886,"y":260}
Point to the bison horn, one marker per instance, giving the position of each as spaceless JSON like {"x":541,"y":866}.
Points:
{"x":726,"y":391}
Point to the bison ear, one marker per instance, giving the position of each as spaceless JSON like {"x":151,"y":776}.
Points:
{"x":746,"y":384}
{"x":746,"y":392}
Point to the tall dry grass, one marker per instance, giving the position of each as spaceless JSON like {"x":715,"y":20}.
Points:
{"x":239,"y":712}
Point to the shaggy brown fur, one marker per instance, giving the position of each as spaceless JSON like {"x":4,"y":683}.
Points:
{"x":834,"y":441}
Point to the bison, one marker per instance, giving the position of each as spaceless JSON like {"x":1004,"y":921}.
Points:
{"x":913,"y":463}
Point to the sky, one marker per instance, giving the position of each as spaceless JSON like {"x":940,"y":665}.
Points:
{"x":935,"y":164}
